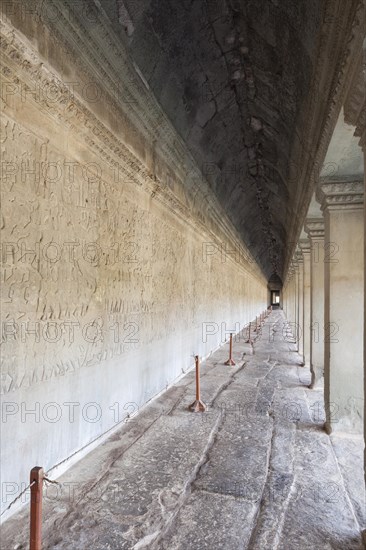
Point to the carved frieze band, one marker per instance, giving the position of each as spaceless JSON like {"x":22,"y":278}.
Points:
{"x":341,"y":195}
{"x":355,"y":105}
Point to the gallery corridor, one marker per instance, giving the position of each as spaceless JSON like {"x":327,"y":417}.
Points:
{"x":256,"y":470}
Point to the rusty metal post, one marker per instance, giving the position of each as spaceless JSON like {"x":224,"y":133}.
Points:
{"x":230,"y":361}
{"x":36,"y":482}
{"x":256,"y":325}
{"x":197,"y":405}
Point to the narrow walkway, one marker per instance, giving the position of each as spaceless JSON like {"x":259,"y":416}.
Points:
{"x":255,"y":472}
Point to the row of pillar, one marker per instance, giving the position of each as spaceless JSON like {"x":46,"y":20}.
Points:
{"x":329,"y":267}
{"x":324,"y":296}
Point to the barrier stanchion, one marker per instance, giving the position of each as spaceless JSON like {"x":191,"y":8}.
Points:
{"x":36,"y":487}
{"x":230,"y":361}
{"x":197,"y":405}
{"x":256,"y":325}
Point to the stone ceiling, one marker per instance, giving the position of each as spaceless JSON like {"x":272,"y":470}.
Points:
{"x":235,"y":79}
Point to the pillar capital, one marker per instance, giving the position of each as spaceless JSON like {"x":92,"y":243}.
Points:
{"x":304,"y":244}
{"x":299,"y":257}
{"x":294,"y":262}
{"x":341,"y":195}
{"x":314,"y":227}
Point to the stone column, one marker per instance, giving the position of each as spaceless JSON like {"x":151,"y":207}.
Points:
{"x":300,"y":261}
{"x":296,"y":288}
{"x":305,"y":248}
{"x":355,"y":114}
{"x":290,"y":313}
{"x":296,"y":301}
{"x":342,"y":204}
{"x":315,"y":230}
{"x":362,"y":133}
{"x":363,"y":144}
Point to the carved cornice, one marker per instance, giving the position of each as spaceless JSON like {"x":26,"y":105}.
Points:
{"x":353,"y":41}
{"x":305,"y":246}
{"x":314,"y":228}
{"x":341,"y":195}
{"x":355,"y":104}
{"x":299,"y":257}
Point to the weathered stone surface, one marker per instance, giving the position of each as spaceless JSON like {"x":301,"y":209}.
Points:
{"x":211,"y":520}
{"x":236,"y":477}
{"x":157,"y":162}
{"x":113,"y":246}
{"x":348,"y":451}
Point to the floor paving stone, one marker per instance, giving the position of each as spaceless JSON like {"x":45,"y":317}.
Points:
{"x":256,"y":471}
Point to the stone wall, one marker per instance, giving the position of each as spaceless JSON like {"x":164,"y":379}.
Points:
{"x":115,"y":254}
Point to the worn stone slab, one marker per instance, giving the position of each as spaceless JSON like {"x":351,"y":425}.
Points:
{"x":211,"y":521}
{"x":142,"y":489}
{"x":348,"y":450}
{"x":319,"y":513}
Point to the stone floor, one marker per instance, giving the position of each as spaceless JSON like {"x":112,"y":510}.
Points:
{"x":255,"y":471}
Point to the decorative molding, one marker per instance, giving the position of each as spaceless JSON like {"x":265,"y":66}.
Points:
{"x":314,"y":228}
{"x":305,"y":246}
{"x":299,"y":257}
{"x":341,"y":195}
{"x":355,"y":104}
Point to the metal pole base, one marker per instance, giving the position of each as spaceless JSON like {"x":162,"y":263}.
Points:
{"x":229,"y":362}
{"x":197,"y":406}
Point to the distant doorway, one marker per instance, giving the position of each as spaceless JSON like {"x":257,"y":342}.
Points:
{"x":275,"y":298}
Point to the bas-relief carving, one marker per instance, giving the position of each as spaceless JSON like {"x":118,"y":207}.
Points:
{"x":139,"y":275}
{"x":41,"y":291}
